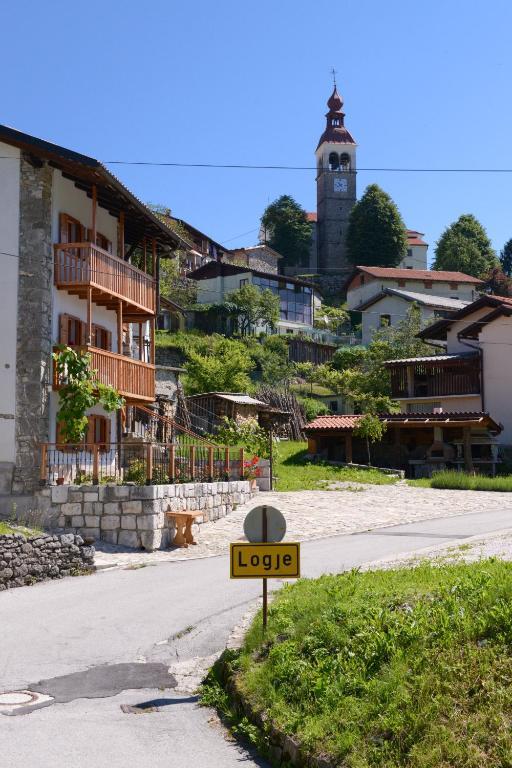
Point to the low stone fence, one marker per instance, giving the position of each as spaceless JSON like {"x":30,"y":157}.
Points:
{"x":134,"y":515}
{"x":27,"y":560}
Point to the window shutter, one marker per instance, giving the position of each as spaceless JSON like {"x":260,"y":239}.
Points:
{"x":108,"y":424}
{"x":89,"y":437}
{"x":63,"y":329}
{"x":63,"y":227}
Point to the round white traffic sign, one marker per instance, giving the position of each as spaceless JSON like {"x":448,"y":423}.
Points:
{"x":253,"y":525}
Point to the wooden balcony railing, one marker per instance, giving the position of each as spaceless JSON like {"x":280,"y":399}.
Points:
{"x":79,"y":266}
{"x":133,"y":379}
{"x":435,"y":379}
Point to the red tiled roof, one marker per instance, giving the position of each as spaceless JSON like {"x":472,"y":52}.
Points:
{"x":395,"y":273}
{"x":311,"y":216}
{"x":347,"y":422}
{"x":415,"y":238}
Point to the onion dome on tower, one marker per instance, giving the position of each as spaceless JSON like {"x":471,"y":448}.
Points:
{"x":335,"y":131}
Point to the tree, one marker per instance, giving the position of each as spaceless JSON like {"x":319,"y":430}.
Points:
{"x":376,"y":234}
{"x":253,"y":307}
{"x":223,"y":368}
{"x":331,"y":318}
{"x":288,"y":231}
{"x":175,"y":286}
{"x":497,"y":282}
{"x":79,"y":391}
{"x":371,"y":428}
{"x":506,"y":258}
{"x":465,"y":247}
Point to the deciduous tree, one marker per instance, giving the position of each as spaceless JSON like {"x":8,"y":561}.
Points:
{"x":376,"y":233}
{"x":288,"y":231}
{"x":465,"y":247}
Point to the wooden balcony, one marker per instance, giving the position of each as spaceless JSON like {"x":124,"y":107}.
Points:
{"x":83,"y":266}
{"x":133,"y":379}
{"x":428,"y":377}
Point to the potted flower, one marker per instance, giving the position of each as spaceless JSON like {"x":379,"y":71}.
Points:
{"x":252,"y":471}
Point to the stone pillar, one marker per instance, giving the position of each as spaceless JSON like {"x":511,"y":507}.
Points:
{"x":34,"y":321}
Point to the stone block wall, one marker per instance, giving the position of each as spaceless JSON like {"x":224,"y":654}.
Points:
{"x":133,"y":515}
{"x":27,"y":560}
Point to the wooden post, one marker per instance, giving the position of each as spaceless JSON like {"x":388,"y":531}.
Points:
{"x":264,"y":538}
{"x":88,"y":327}
{"x":468,"y":459}
{"x":121,"y":235}
{"x":149,"y":464}
{"x":271,"y":458}
{"x":141,"y":343}
{"x":153,"y":258}
{"x":145,"y":255}
{"x":172,"y":463}
{"x":348,"y":448}
{"x":241,"y":463}
{"x":94,"y":207}
{"x":95,"y":464}
{"x":120,"y":328}
{"x":192,"y":465}
{"x":227,"y":463}
{"x":210,"y":463}
{"x":42,"y":469}
{"x":152,"y":341}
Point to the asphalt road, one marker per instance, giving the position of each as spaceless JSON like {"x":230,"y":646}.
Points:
{"x":81,"y":641}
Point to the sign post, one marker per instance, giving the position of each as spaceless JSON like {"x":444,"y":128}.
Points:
{"x":265,"y":556}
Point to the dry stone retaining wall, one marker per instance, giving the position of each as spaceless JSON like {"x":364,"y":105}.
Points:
{"x":27,"y":560}
{"x":134,"y":516}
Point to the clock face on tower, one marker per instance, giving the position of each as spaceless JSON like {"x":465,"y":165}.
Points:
{"x":340,"y":185}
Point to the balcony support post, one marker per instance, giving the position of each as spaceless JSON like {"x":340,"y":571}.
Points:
{"x":144,"y":247}
{"x":121,"y":235}
{"x":153,"y":258}
{"x":120,"y":327}
{"x":88,"y":328}
{"x":141,"y":342}
{"x":152,"y":341}
{"x":94,"y":207}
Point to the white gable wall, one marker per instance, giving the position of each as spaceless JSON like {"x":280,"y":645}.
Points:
{"x":9,"y":250}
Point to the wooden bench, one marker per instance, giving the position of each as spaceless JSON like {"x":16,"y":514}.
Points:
{"x":183,"y":522}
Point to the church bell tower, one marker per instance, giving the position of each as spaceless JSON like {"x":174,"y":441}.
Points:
{"x":336,"y":195}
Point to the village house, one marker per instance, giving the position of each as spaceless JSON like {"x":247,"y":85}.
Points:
{"x":454,"y":406}
{"x":383,"y":295}
{"x":79,"y":267}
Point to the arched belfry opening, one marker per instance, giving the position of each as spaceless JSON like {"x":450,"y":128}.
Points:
{"x":345,"y":161}
{"x":334,"y":162}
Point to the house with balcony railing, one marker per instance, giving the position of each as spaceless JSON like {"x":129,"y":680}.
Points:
{"x":80,"y":256}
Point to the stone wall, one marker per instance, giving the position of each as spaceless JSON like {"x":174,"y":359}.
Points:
{"x":34,"y":331}
{"x":25,"y":561}
{"x":133,"y":515}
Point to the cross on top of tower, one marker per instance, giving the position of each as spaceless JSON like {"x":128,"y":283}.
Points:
{"x":334,"y":73}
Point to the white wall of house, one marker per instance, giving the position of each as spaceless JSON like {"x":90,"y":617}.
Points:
{"x":495,"y":342}
{"x":9,"y":250}
{"x":450,"y":403}
{"x":394,"y":306}
{"x":415,"y":258}
{"x":66,"y":198}
{"x":453,"y":345}
{"x":97,"y":410}
{"x":372,"y":286}
{"x":64,"y":303}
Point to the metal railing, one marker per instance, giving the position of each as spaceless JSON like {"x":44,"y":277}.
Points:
{"x":140,"y":463}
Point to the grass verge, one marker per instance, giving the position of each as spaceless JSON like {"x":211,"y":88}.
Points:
{"x":410,"y":668}
{"x":463,"y":482}
{"x":7,"y":528}
{"x":295,"y":473}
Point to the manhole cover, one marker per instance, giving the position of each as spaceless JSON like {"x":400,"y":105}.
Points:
{"x":13,"y":701}
{"x":13,"y":698}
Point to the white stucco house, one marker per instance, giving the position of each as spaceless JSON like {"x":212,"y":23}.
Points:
{"x":384,"y":294}
{"x":79,"y":255}
{"x":474,"y":372}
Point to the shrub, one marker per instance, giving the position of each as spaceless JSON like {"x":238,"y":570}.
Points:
{"x":312,"y":408}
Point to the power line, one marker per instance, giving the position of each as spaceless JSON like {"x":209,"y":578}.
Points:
{"x":248,"y":166}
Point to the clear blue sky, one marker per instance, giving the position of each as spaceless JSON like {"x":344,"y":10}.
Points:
{"x":245,"y":81}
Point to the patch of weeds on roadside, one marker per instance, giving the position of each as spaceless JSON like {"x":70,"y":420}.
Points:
{"x":182,"y":633}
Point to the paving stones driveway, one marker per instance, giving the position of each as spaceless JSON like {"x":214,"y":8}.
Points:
{"x":317,"y":514}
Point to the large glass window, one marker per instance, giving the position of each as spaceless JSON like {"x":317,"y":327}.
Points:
{"x":295,"y":299}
